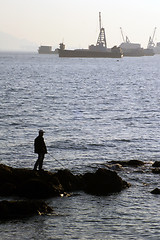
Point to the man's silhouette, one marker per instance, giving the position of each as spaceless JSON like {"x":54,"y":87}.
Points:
{"x":40,"y":148}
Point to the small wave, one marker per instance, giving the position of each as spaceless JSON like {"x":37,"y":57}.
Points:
{"x":123,"y":140}
{"x":15,"y":124}
{"x":76,"y":146}
{"x":68,"y":145}
{"x":95,"y":146}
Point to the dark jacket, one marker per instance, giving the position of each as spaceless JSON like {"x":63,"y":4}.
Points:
{"x":39,"y":145}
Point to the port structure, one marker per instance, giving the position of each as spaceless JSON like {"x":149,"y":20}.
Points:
{"x":151,"y":43}
{"x":124,"y":40}
{"x":101,"y":41}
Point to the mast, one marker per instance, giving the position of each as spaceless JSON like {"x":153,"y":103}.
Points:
{"x":100,"y":20}
{"x":102,"y":36}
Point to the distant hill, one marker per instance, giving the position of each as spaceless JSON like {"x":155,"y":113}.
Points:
{"x":11,"y":43}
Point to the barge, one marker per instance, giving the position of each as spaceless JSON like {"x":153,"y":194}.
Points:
{"x":99,"y":50}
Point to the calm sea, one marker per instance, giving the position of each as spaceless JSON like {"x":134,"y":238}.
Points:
{"x":92,"y":111}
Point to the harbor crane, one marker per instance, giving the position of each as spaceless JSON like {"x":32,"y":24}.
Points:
{"x":101,"y":41}
{"x":124,"y":40}
{"x":151,"y":43}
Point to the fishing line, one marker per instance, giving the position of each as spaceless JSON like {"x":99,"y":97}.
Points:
{"x":56,"y":160}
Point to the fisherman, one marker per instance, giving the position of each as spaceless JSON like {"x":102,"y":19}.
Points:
{"x":40,"y":148}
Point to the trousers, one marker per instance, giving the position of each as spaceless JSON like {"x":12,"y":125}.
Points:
{"x":39,"y":162}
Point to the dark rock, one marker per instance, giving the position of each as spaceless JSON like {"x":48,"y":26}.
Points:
{"x":7,"y":189}
{"x":156,"y":164}
{"x":156,"y":170}
{"x":38,"y":188}
{"x":28,"y":183}
{"x":156,"y":191}
{"x":131,"y":163}
{"x":5,"y":173}
{"x":103,"y":182}
{"x":44,"y":184}
{"x":69,"y":181}
{"x":16,"y":209}
{"x":114,"y":167}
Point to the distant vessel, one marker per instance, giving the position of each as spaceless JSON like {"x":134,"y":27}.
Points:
{"x":152,"y":45}
{"x":99,"y":50}
{"x":47,"y":50}
{"x":133,"y":49}
{"x":156,"y":49}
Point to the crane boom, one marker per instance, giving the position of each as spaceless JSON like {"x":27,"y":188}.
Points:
{"x":127,"y":39}
{"x":154,"y":33}
{"x":151,"y":43}
{"x":122,"y":34}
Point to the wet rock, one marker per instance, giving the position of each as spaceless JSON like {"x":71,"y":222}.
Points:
{"x":7,"y":188}
{"x":28,"y":183}
{"x":38,"y":188}
{"x":131,"y":163}
{"x":115,"y":167}
{"x":44,"y":184}
{"x":69,"y":181}
{"x":156,"y":164}
{"x":103,"y":182}
{"x":156,"y":191}
{"x":25,"y":208}
{"x":5,"y":173}
{"x":156,"y":170}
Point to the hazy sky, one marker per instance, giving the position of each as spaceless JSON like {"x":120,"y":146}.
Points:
{"x":75,"y":22}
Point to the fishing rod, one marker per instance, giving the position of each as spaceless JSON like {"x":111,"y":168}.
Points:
{"x":56,"y":160}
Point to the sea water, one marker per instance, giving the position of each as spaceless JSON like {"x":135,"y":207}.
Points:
{"x":93,"y":111}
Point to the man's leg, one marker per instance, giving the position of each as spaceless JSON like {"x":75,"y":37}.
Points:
{"x":37,"y":162}
{"x":41,"y":157}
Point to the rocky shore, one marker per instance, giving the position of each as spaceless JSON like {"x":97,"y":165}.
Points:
{"x":44,"y":184}
{"x":23,"y":208}
{"x":33,"y":187}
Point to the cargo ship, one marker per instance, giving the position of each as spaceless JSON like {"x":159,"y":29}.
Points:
{"x":99,"y":50}
{"x":130,"y":49}
{"x":152,"y":46}
{"x":47,"y":50}
{"x":156,"y":49}
{"x":135,"y":50}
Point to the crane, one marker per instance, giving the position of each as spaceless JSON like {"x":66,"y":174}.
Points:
{"x":102,"y":36}
{"x":127,"y":39}
{"x":151,"y":43}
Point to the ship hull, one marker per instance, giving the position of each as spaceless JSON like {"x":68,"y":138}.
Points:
{"x":89,"y":54}
{"x":137,"y":52}
{"x":148,"y":52}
